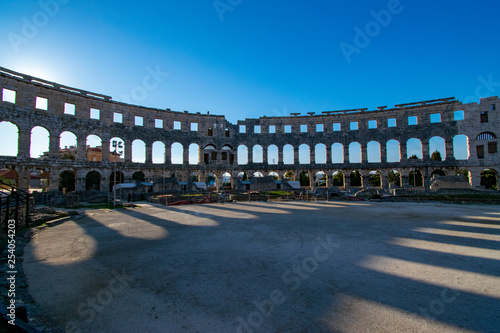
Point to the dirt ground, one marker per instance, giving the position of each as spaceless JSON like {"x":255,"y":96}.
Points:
{"x":271,"y":267}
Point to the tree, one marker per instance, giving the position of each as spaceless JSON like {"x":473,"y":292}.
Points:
{"x":436,"y":156}
{"x":356,"y":178}
{"x":464,"y":173}
{"x":338,"y":179}
{"x":245,"y":176}
{"x":68,"y":156}
{"x":375,"y":180}
{"x":489,"y":179}
{"x":394,"y":177}
{"x":289,"y":175}
{"x":413,"y":157}
{"x":304,"y":179}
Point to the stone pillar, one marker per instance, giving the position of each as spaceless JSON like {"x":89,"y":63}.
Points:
{"x":295,"y":155}
{"x":149,"y":154}
{"x":80,"y":178}
{"x":364,"y":154}
{"x":383,"y":153}
{"x":185,"y":157}
{"x":265,"y":156}
{"x":365,"y":181}
{"x":328,"y":154}
{"x":312,"y":155}
{"x":347,"y":179}
{"x":405,"y":180}
{"x":168,"y":155}
{"x":449,"y":150}
{"x":425,"y":151}
{"x":23,"y":178}
{"x":384,"y":182}
{"x":105,"y":151}
{"x":475,"y":178}
{"x":280,"y":156}
{"x":250,"y":156}
{"x":54,"y":146}
{"x":346,"y":154}
{"x":81,"y":149}
{"x":24,"y":143}
{"x":128,"y":151}
{"x":404,"y":151}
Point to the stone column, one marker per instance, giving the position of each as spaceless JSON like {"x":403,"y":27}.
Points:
{"x":265,"y":156}
{"x":168,"y":155}
{"x":54,"y":146}
{"x":149,"y":154}
{"x":23,"y":178}
{"x":24,"y":143}
{"x":346,"y":154}
{"x":250,"y":156}
{"x":280,"y":156}
{"x":449,"y":150}
{"x":185,"y":157}
{"x":383,"y":153}
{"x":128,"y":151}
{"x":81,"y":149}
{"x":365,"y":181}
{"x":404,"y":151}
{"x":384,"y":182}
{"x":425,"y":151}
{"x":295,"y":155}
{"x":312,"y":155}
{"x":364,"y":154}
{"x":328,"y":154}
{"x":105,"y":151}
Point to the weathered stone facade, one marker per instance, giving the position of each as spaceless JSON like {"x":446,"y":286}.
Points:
{"x":219,"y":140}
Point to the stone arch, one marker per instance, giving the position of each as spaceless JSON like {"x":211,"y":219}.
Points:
{"x":393,"y":148}
{"x":158,"y":152}
{"x":305,"y":154}
{"x":67,"y":181}
{"x":489,"y":179}
{"x":395,"y":177}
{"x":320,"y":153}
{"x":139,"y":176}
{"x":375,"y":179}
{"x":373,"y":152}
{"x":289,"y":175}
{"x":437,"y":144}
{"x":437,"y":173}
{"x":116,"y":149}
{"x":227,"y":180}
{"x":275,"y":175}
{"x":338,"y":179}
{"x":320,"y":179}
{"x":39,"y":180}
{"x":242,"y":154}
{"x":211,"y":181}
{"x":120,"y":178}
{"x":337,"y":153}
{"x":93,"y":181}
{"x":461,"y":149}
{"x":258,"y":174}
{"x":355,"y":155}
{"x":194,"y":177}
{"x":39,"y":142}
{"x":177,"y":153}
{"x":93,"y":148}
{"x":68,"y":139}
{"x":486,"y":136}
{"x":414,"y":148}
{"x":305,"y":179}
{"x":258,"y":154}
{"x":288,"y":154}
{"x":138,"y":151}
{"x":194,"y":154}
{"x":416,"y":178}
{"x":272,"y":155}
{"x":356,"y":179}
{"x":11,"y":131}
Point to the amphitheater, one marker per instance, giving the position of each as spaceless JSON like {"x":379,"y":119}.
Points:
{"x":320,"y":145}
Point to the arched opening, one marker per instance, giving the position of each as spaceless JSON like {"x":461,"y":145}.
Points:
{"x":305,"y":179}
{"x":39,"y":180}
{"x":11,"y":131}
{"x":437,"y":173}
{"x":274,"y":175}
{"x":437,"y":148}
{"x":338,"y":179}
{"x":67,"y":181}
{"x":242,"y":154}
{"x":337,"y":153}
{"x":9,"y":176}
{"x":116,"y":177}
{"x":209,"y":154}
{"x":39,"y":142}
{"x":288,"y":153}
{"x":272,"y":155}
{"x":394,"y":177}
{"x":289,"y":176}
{"x":304,"y":154}
{"x":158,"y":152}
{"x":93,"y":181}
{"x":258,"y":174}
{"x":242,"y":176}
{"x":177,"y":155}
{"x":94,"y":148}
{"x":373,"y":152}
{"x":211,"y":181}
{"x":116,"y":150}
{"x":461,"y":150}
{"x":67,"y":145}
{"x":464,"y":173}
{"x":138,"y":151}
{"x":258,"y":154}
{"x":320,"y":179}
{"x":356,"y":179}
{"x":489,"y":179}
{"x":320,"y":153}
{"x":227,"y":181}
{"x":194,"y":178}
{"x":355,"y":152}
{"x":194,"y":154}
{"x":416,"y":178}
{"x":227,"y":154}
{"x":393,"y":149}
{"x":375,"y":179}
{"x":414,"y":149}
{"x":139,"y":176}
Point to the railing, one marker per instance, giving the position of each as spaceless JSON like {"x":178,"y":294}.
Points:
{"x":13,"y":203}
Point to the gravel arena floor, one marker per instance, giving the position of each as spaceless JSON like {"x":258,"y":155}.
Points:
{"x":271,"y":267}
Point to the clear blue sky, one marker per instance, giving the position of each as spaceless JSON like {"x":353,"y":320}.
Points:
{"x":263,"y":57}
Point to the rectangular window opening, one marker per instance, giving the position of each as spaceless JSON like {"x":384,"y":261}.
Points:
{"x":336,"y":127}
{"x":391,"y":122}
{"x":303,"y":128}
{"x":353,"y":126}
{"x":435,"y":118}
{"x":177,"y":125}
{"x":41,"y":103}
{"x":8,"y":96}
{"x":95,"y":113}
{"x":319,"y":128}
{"x":117,"y":117}
{"x":372,"y":124}
{"x":412,"y":120}
{"x":272,"y":129}
{"x":484,"y":117}
{"x":493,"y":107}
{"x":243,"y":129}
{"x":288,"y":129}
{"x":158,"y":123}
{"x":458,"y":115}
{"x":194,"y":127}
{"x":256,"y":129}
{"x":139,"y":121}
{"x":227,"y":132}
{"x":492,"y":148}
{"x":210,"y":132}
{"x":480,"y":151}
{"x":69,"y":109}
